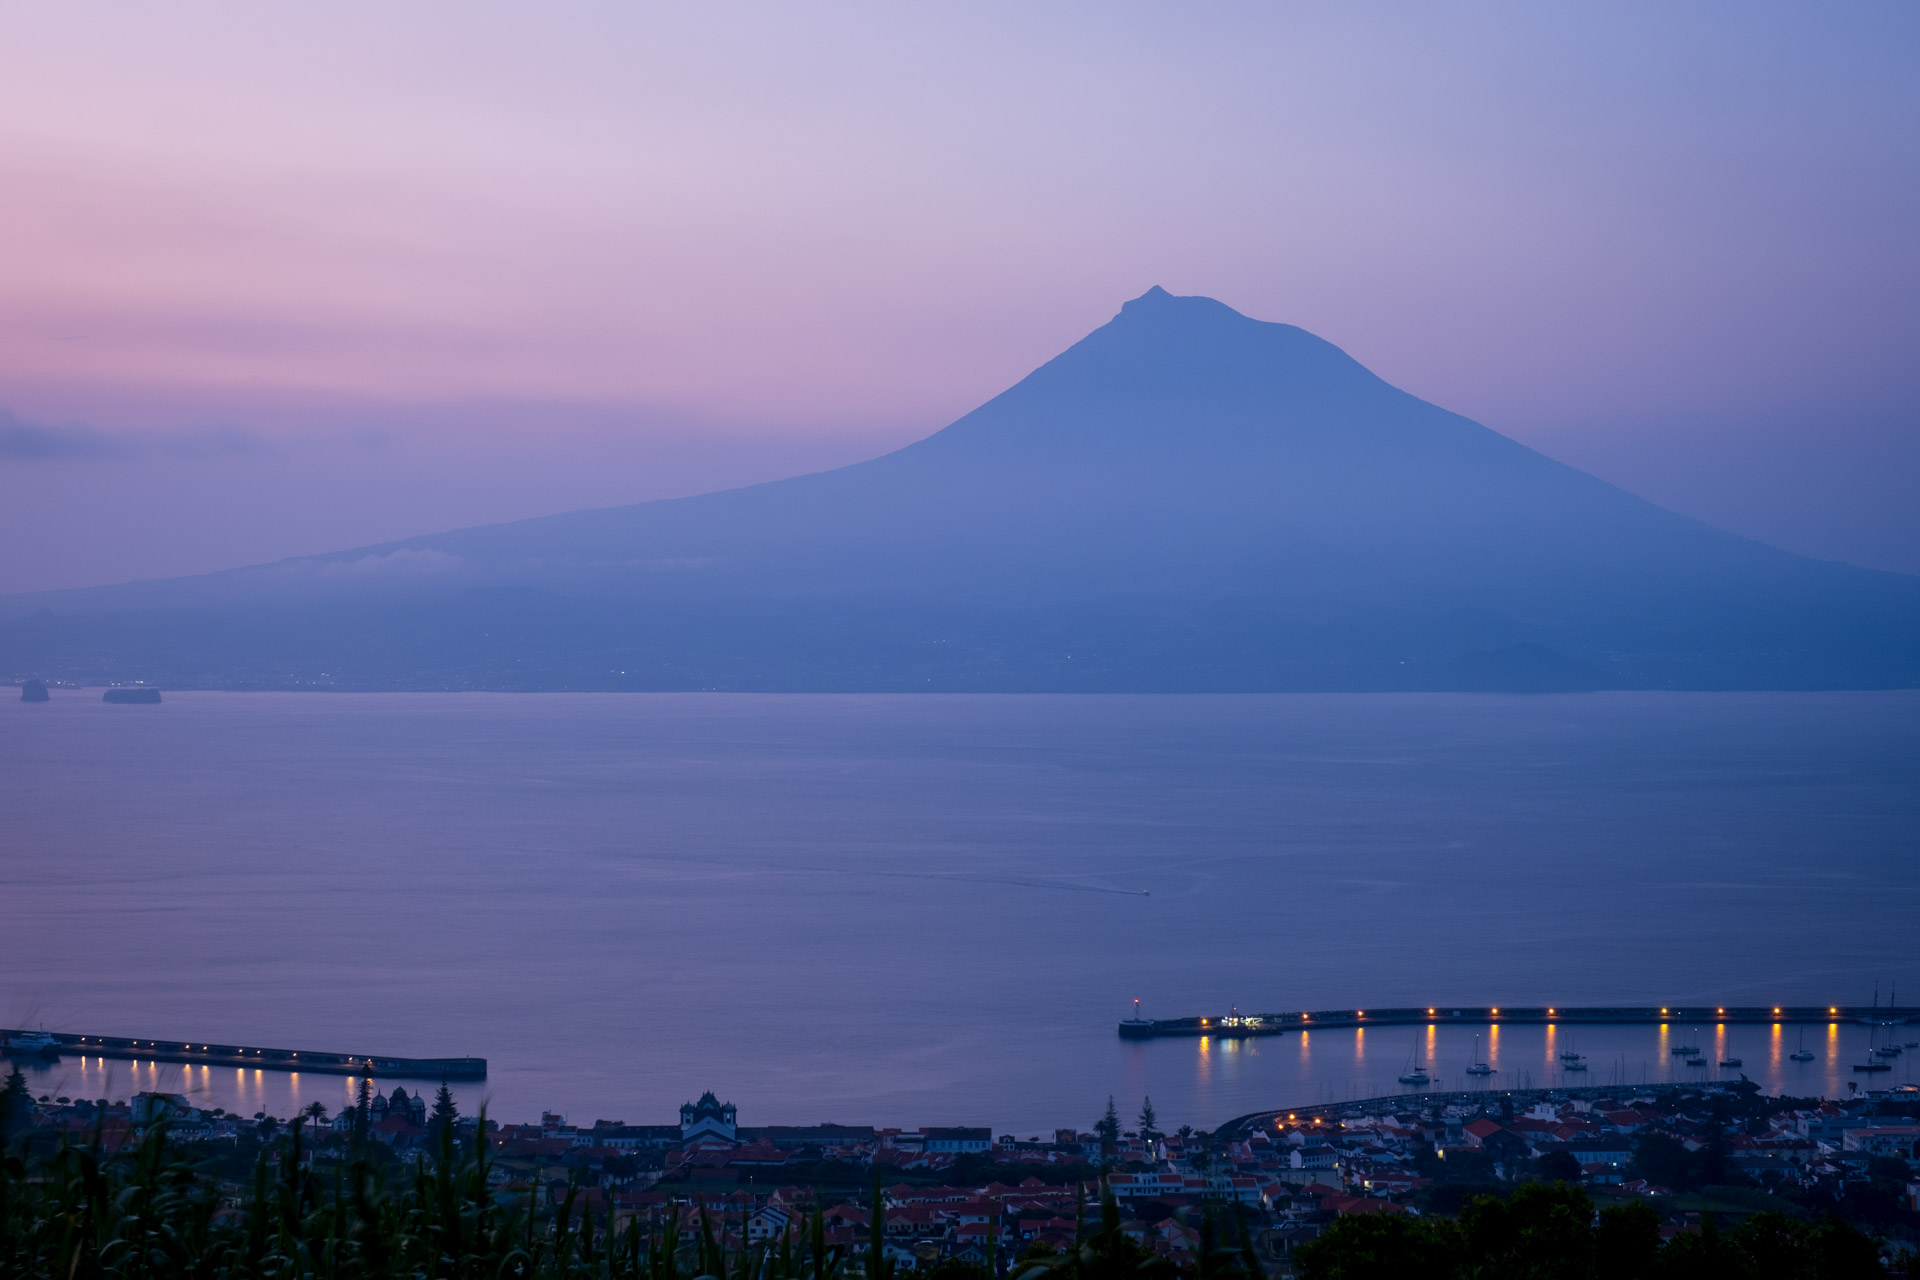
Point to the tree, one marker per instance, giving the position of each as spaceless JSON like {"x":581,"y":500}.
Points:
{"x":1109,"y":1127}
{"x":1663,"y":1159}
{"x":1559,"y":1166}
{"x":16,"y":1106}
{"x":879,"y":1265}
{"x":445,"y":1113}
{"x":1627,"y":1244}
{"x":1149,"y":1123}
{"x":316,"y":1112}
{"x":363,"y":1109}
{"x":1379,"y":1246}
{"x":1545,"y":1232}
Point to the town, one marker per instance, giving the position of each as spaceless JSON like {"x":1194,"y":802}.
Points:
{"x":961,"y":1200}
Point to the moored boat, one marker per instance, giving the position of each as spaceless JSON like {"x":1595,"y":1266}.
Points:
{"x":31,"y":1044}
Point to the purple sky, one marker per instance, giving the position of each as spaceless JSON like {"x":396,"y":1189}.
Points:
{"x":281,"y":279}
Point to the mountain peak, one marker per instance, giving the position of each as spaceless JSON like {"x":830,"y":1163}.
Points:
{"x":1158,"y":303}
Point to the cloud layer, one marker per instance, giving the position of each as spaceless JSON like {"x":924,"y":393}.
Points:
{"x":22,"y":441}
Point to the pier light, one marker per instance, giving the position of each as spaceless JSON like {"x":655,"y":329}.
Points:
{"x":1776,"y":1011}
{"x":1496,"y":1013}
{"x":1359,"y":1013}
{"x":1429,"y":1013}
{"x":1549,"y":1013}
{"x":1306,"y":1017}
{"x":1831,"y":1009}
{"x":1663,"y":1011}
{"x":1719,"y":1010}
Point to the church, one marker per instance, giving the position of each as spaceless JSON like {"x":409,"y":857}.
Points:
{"x":708,"y":1119}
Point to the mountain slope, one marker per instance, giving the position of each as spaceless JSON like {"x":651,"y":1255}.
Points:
{"x":1185,"y":499}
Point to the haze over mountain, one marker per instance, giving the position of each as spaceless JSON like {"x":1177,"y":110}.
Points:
{"x":1186,"y":499}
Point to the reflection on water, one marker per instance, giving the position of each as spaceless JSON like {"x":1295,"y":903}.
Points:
{"x":1225,"y":1076}
{"x":244,"y":1091}
{"x":1334,"y":1065}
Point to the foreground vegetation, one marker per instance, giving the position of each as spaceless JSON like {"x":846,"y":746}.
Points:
{"x":1549,"y":1231}
{"x":158,"y":1210}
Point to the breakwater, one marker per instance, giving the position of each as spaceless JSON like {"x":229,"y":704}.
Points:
{"x":128,"y":1048}
{"x":1236,"y":1024}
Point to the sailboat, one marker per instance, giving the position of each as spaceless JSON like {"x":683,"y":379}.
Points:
{"x":1875,"y":1060}
{"x":1416,"y":1073}
{"x":1875,"y":1053}
{"x":1731,"y":1059}
{"x":1477,"y":1067}
{"x":1687,"y":1050}
{"x":1694,"y":1057}
{"x":1802,"y":1054}
{"x":1571,"y":1059}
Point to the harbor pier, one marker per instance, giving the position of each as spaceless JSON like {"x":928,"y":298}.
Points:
{"x":60,"y":1044}
{"x":1236,"y":1024}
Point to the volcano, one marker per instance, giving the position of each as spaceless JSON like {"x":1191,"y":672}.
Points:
{"x":1185,"y":500}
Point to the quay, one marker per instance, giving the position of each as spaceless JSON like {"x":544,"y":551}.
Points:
{"x":51,"y":1044}
{"x":1236,"y":1024}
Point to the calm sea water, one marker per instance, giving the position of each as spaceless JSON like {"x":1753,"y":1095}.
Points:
{"x":930,"y":910}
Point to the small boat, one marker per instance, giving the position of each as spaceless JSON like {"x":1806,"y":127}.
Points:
{"x":1732,"y":1062}
{"x":31,"y":1044}
{"x":1575,"y":1065}
{"x":1802,"y":1054}
{"x":1887,"y":1051}
{"x":1913,"y":1044}
{"x":1696,"y":1061}
{"x":1477,"y":1067}
{"x":1872,"y":1066}
{"x":1687,"y":1050}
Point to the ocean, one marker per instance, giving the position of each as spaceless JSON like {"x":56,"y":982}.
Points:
{"x":908,"y":910}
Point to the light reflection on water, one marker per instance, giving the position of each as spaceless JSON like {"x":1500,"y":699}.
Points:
{"x":1302,"y":1068}
{"x":1334,"y":1065}
{"x":244,"y":1091}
